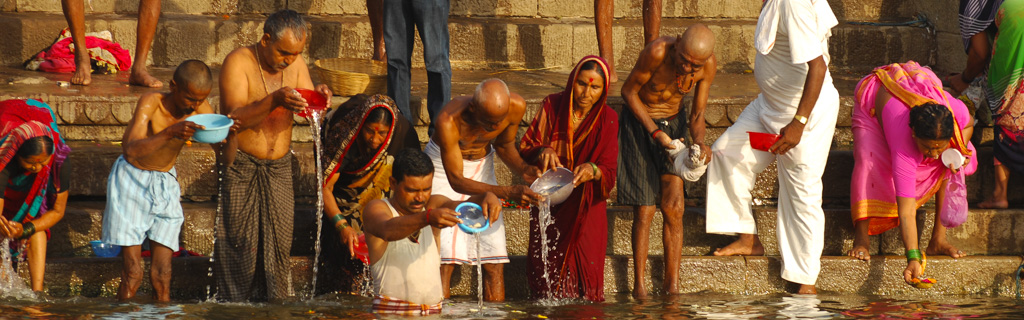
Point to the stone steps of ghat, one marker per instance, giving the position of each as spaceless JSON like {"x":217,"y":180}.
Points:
{"x":475,"y":43}
{"x":986,"y":232}
{"x":747,"y":9}
{"x":974,"y":275}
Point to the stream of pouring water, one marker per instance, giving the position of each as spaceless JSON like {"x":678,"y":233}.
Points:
{"x":479,"y":274}
{"x":544,"y":222}
{"x":11,"y":285}
{"x":314,"y":126}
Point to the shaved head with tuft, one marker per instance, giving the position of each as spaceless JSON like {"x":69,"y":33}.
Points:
{"x":697,"y":41}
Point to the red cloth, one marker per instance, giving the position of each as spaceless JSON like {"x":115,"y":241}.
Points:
{"x":576,"y":266}
{"x":60,"y":58}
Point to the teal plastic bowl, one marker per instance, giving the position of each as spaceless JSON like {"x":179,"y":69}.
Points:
{"x":473,"y":218}
{"x":104,"y":250}
{"x":217,"y":127}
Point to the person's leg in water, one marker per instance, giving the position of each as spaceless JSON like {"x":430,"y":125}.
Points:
{"x":642,"y":216}
{"x":604,"y":12}
{"x":37,"y":259}
{"x":160,"y":272}
{"x":446,"y":279}
{"x":673,"y":204}
{"x":131,"y":272}
{"x":74,"y":13}
{"x":494,"y":282}
{"x":149,"y":14}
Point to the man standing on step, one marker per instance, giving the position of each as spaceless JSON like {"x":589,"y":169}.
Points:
{"x":668,"y":69}
{"x":254,"y":231}
{"x":430,"y":17}
{"x":799,"y":102}
{"x":149,"y":14}
{"x":470,"y":130}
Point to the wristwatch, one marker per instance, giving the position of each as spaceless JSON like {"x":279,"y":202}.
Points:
{"x":802,"y":119}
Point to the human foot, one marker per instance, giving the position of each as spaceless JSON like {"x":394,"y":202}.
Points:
{"x":82,"y":74}
{"x":612,"y":76}
{"x":994,"y":204}
{"x":859,"y":251}
{"x":742,"y":247}
{"x":941,"y":247}
{"x":640,"y":292}
{"x":142,"y":78}
{"x":807,"y":289}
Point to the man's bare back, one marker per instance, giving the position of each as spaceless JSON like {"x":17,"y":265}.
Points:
{"x":158,"y":130}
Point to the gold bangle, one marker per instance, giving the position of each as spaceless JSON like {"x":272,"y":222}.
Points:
{"x":802,"y":119}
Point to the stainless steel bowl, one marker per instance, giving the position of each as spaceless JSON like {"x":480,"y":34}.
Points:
{"x":556,"y":184}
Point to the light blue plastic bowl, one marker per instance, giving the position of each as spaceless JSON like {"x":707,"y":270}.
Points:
{"x":471,"y":215}
{"x":217,"y":127}
{"x":104,"y":250}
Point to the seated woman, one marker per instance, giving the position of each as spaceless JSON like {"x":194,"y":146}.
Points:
{"x":1005,"y":79}
{"x":577,"y":130}
{"x":35,"y":183}
{"x":902,"y":122}
{"x":360,"y":139}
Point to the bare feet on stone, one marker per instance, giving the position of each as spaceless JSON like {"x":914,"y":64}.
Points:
{"x":942,"y":247}
{"x":612,"y":76}
{"x":83,"y":73}
{"x":860,"y":248}
{"x":142,"y":78}
{"x":746,"y":245}
{"x":994,"y":204}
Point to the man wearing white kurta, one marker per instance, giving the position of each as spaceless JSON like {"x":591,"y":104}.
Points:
{"x":799,"y":102}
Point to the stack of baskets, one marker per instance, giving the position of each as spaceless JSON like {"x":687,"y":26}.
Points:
{"x":350,"y":76}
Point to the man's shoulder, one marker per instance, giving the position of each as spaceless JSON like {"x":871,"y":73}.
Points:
{"x":150,"y":101}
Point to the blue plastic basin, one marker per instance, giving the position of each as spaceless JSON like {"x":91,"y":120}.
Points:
{"x":473,"y":218}
{"x":216,"y":127}
{"x":104,"y":250}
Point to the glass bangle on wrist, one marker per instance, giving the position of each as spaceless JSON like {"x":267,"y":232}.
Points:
{"x":27,"y":230}
{"x":914,"y":255}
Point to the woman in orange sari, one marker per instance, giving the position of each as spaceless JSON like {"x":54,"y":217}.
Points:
{"x":575,"y":129}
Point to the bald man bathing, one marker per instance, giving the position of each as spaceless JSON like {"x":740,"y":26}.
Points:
{"x":469,"y":131}
{"x":668,"y":69}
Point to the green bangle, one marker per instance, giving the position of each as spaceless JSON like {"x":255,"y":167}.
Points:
{"x":27,"y":230}
{"x":593,"y":166}
{"x":914,"y":255}
{"x":335,"y":219}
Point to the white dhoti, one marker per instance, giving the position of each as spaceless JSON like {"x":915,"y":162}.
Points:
{"x":458,"y":247}
{"x":798,"y":33}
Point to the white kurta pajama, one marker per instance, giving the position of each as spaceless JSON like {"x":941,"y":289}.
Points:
{"x":789,"y":34}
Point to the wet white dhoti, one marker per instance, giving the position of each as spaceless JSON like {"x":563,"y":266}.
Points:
{"x":800,"y":34}
{"x":458,"y":247}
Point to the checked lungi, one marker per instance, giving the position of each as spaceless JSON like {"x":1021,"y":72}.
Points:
{"x":254,"y":231}
{"x":387,"y":305}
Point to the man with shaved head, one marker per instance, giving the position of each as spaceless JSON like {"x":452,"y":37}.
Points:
{"x":798,"y":102}
{"x":469,"y":131}
{"x":668,"y":69}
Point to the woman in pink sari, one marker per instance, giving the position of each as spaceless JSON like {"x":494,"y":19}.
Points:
{"x":902,"y":122}
{"x":577,"y":130}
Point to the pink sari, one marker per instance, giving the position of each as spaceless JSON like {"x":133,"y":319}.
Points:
{"x":873,"y":191}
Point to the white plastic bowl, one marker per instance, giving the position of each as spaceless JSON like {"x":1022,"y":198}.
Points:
{"x":556,"y":184}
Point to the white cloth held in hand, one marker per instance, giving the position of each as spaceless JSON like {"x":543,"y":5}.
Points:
{"x":687,"y":162}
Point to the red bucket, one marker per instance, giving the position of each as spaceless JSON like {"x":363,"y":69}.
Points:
{"x":315,"y":100}
{"x":362,"y":252}
{"x":762,"y":141}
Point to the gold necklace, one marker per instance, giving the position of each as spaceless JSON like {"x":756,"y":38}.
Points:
{"x":260,"y":65}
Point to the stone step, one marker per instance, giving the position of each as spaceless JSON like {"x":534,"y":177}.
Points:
{"x":197,"y":176}
{"x":476,"y":42}
{"x":746,"y":9}
{"x":986,"y":232}
{"x":987,"y":276}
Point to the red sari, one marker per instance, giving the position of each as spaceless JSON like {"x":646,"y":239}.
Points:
{"x":576,"y":261}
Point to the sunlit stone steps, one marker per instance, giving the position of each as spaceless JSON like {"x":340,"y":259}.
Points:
{"x":976,"y":275}
{"x":986,"y":232}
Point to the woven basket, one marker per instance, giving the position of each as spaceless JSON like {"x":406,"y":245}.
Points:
{"x":349,"y":76}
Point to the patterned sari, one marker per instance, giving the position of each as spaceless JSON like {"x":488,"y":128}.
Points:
{"x":1006,"y":80}
{"x":576,"y":266}
{"x":362,"y":177}
{"x":873,"y":192}
{"x":30,"y":194}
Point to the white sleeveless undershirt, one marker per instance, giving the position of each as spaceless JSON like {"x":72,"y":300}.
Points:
{"x":408,"y":270}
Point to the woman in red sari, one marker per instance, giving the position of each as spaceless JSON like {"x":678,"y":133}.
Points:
{"x":576,"y":129}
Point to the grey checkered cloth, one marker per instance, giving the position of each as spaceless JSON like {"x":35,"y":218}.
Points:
{"x":254,"y":231}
